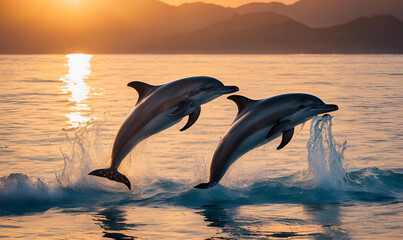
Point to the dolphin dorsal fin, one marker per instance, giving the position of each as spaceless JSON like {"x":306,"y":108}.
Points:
{"x":242,"y":102}
{"x":143,"y":89}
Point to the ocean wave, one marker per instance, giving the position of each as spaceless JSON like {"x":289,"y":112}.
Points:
{"x":324,"y":180}
{"x":20,"y":194}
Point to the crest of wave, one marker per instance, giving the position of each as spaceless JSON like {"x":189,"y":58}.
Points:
{"x":325,"y":156}
{"x":18,"y":188}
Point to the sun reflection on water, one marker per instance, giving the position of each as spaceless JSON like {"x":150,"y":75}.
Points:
{"x":79,"y":70}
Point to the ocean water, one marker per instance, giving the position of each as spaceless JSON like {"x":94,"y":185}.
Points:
{"x":340,"y":177}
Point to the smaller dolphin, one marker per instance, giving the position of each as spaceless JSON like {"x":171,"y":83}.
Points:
{"x":158,"y":108}
{"x":259,"y":122}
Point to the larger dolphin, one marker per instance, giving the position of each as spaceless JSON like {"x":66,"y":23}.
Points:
{"x":259,"y":122}
{"x":158,"y":108}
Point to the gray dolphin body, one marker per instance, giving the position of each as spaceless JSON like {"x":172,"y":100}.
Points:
{"x":259,"y":122}
{"x":158,"y":108}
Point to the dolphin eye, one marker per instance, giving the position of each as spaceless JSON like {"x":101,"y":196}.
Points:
{"x":302,"y":106}
{"x":203,"y":89}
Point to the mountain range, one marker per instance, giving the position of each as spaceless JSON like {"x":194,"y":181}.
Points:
{"x":325,"y":13}
{"x":279,"y":34}
{"x":150,"y":26}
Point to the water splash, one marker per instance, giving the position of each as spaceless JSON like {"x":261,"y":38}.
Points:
{"x":325,"y":155}
{"x":86,"y":148}
{"x":81,"y":151}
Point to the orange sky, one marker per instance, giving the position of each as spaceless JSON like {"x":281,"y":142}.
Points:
{"x":227,"y":3}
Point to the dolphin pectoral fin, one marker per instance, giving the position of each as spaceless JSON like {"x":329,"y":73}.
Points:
{"x":143,"y":89}
{"x":277,"y":128}
{"x":112,"y":174}
{"x":287,"y":135}
{"x":182,"y":108}
{"x":205,"y":185}
{"x":192,"y":118}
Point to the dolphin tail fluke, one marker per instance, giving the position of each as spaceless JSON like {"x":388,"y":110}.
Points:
{"x":112,"y":174}
{"x":205,"y":185}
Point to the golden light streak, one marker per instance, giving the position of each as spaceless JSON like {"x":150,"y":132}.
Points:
{"x":79,"y":70}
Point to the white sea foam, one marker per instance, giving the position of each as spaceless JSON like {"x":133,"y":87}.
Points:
{"x":18,"y":187}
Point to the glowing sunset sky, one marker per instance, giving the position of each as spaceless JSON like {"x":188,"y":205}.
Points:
{"x":226,"y":3}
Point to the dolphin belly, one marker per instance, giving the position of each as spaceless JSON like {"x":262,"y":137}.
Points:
{"x":254,"y":141}
{"x":156,"y":125}
{"x":227,"y":153}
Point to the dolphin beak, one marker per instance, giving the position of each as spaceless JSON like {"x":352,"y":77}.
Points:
{"x":227,"y":89}
{"x":325,"y":108}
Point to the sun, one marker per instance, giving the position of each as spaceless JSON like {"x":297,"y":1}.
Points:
{"x":74,"y":2}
